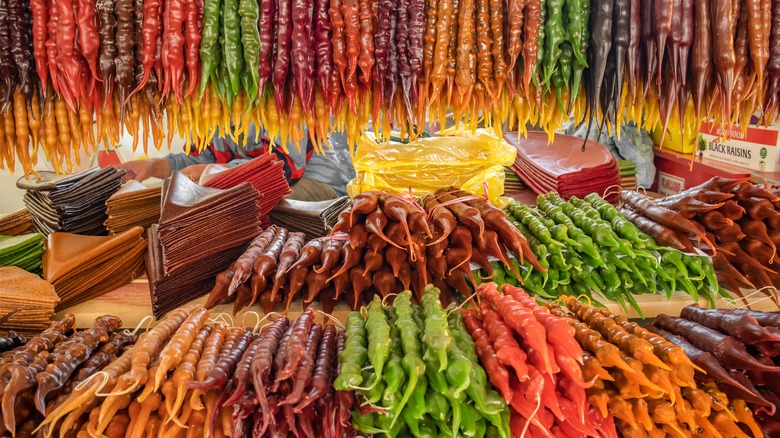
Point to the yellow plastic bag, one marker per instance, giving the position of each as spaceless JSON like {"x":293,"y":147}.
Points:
{"x":469,"y":161}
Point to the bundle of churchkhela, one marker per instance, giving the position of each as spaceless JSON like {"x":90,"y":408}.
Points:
{"x":736,"y":348}
{"x":735,"y":221}
{"x":191,"y":375}
{"x":382,"y":244}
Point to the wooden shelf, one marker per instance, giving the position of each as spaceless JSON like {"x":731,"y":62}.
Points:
{"x":132,"y":303}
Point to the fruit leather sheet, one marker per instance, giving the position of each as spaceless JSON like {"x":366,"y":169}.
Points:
{"x":564,"y":158}
{"x":202,"y":230}
{"x":265,"y":173}
{"x":563,"y":166}
{"x":83,"y":267}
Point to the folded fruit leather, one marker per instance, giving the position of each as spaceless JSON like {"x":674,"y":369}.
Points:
{"x":265,"y":173}
{"x":32,"y":296}
{"x":23,"y":251}
{"x":133,"y":204}
{"x":75,"y":203}
{"x":201,"y":231}
{"x":563,"y":167}
{"x":315,"y":219}
{"x":83,"y":267}
{"x":17,"y":222}
{"x":583,"y":183}
{"x":173,"y":290}
{"x":564,"y":156}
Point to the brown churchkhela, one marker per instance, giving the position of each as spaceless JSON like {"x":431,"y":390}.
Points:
{"x":381,"y":244}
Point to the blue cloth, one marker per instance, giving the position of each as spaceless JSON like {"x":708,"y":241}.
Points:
{"x":634,"y":144}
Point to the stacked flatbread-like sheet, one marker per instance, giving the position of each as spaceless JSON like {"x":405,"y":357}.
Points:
{"x":74,"y":204}
{"x":627,"y":175}
{"x":201,"y":232}
{"x":23,"y":251}
{"x":32,"y":296}
{"x":18,"y":222}
{"x":512,"y":182}
{"x":265,"y":173}
{"x":84,"y":267}
{"x":563,"y":166}
{"x":315,"y":219}
{"x":133,"y":205}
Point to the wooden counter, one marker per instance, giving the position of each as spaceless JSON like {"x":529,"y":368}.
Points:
{"x":132,"y":303}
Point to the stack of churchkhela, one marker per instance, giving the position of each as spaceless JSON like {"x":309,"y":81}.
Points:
{"x":533,"y":359}
{"x":382,"y":244}
{"x":186,"y":375}
{"x":738,"y":349}
{"x":40,"y":374}
{"x":650,"y":385}
{"x":735,"y":221}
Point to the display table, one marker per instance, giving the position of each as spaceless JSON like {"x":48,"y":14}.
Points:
{"x":132,"y":304}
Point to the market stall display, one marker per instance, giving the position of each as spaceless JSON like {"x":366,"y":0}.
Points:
{"x":564,"y":168}
{"x":587,"y":247}
{"x":647,"y":383}
{"x":27,"y":293}
{"x":264,"y":173}
{"x":502,"y":364}
{"x":736,"y":221}
{"x":194,"y":240}
{"x":15,"y":223}
{"x":83,"y":267}
{"x":133,"y":205}
{"x":23,"y":251}
{"x":74,"y":204}
{"x":738,"y":349}
{"x":314,"y":219}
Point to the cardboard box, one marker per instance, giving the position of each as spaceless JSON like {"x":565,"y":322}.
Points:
{"x":674,"y":172}
{"x":758,"y":148}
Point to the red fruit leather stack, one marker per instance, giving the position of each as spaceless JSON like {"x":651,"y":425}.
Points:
{"x":201,"y":232}
{"x":563,"y":166}
{"x":264,"y":173}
